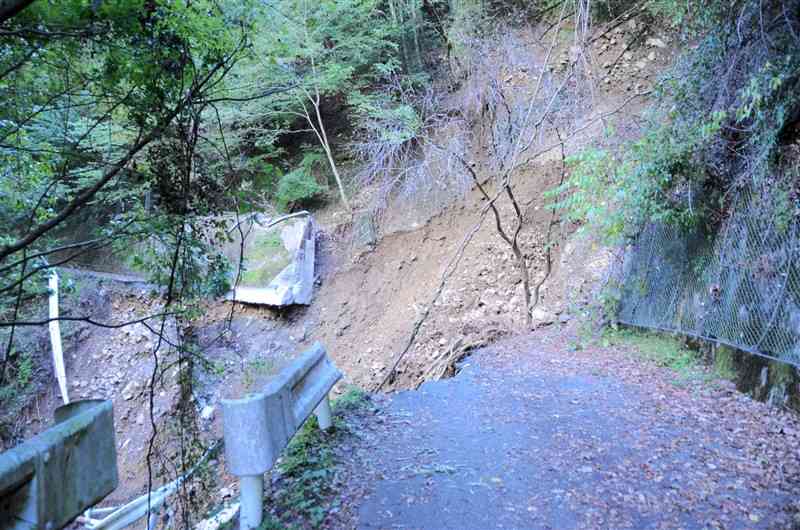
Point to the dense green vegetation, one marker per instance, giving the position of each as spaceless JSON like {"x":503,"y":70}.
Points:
{"x":306,"y":490}
{"x":138,"y":125}
{"x":725,"y":118}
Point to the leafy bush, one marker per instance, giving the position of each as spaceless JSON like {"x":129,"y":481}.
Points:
{"x":299,"y":185}
{"x":717,"y":124}
{"x":654,"y":179}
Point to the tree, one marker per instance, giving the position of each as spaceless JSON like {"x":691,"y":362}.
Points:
{"x":325,"y":50}
{"x":106,"y":104}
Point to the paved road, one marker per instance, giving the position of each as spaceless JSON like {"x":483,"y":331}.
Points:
{"x":526,"y":437}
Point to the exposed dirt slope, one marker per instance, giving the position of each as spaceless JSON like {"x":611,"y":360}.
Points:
{"x":367,"y":305}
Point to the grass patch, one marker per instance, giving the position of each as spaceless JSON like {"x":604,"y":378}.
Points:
{"x":669,"y":352}
{"x":265,"y":258}
{"x":305,"y":494}
{"x":255,"y":370}
{"x":725,"y":363}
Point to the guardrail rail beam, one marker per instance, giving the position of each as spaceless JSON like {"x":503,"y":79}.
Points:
{"x":258,"y":427}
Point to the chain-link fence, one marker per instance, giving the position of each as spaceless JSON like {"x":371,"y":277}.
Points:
{"x":738,"y":284}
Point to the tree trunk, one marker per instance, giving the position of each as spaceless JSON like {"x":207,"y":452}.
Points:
{"x":415,"y":19}
{"x":526,"y":283}
{"x":323,"y":137}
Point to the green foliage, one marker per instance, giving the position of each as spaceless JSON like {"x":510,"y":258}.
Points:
{"x":15,"y":391}
{"x":258,"y":184}
{"x":724,"y":363}
{"x":112,"y":88}
{"x":385,"y":120}
{"x":663,"y":350}
{"x":21,"y":368}
{"x":353,"y":398}
{"x":299,"y":185}
{"x":704,"y":135}
{"x":184,"y":254}
{"x":308,"y":467}
{"x":654,"y":179}
{"x":309,"y":463}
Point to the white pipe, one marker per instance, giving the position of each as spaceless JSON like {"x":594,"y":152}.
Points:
{"x":252,"y":501}
{"x":272,"y":222}
{"x":55,"y":338}
{"x":133,"y":511}
{"x":323,"y":414}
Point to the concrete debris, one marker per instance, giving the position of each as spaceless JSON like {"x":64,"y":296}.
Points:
{"x":295,"y":283}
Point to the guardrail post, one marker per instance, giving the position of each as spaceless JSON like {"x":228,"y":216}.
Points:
{"x":259,"y":426}
{"x":323,"y":414}
{"x":252,"y":501}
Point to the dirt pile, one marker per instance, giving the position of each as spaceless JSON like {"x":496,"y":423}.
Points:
{"x":368,"y":304}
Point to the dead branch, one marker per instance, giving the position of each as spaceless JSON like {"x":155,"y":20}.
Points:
{"x":548,"y":245}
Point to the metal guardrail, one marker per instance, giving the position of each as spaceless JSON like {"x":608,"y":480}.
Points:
{"x":49,"y":480}
{"x":258,"y":427}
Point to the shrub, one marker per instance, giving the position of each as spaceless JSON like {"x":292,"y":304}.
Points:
{"x":716,"y":125}
{"x":299,"y":185}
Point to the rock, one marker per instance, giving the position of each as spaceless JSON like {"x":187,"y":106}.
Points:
{"x":564,"y":318}
{"x":225,"y":493}
{"x":655,"y":42}
{"x":130,"y":390}
{"x":541,"y":317}
{"x":651,"y":56}
{"x":641,"y":65}
{"x":207,"y":413}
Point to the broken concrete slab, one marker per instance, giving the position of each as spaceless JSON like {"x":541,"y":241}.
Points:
{"x":279,"y":260}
